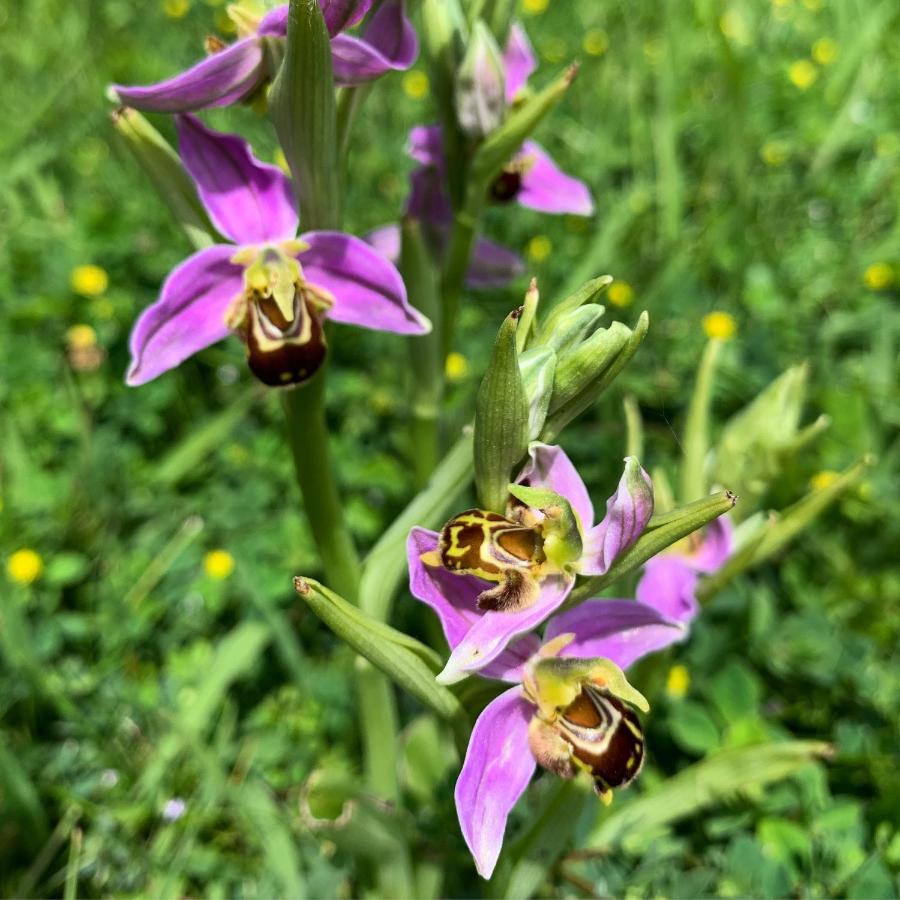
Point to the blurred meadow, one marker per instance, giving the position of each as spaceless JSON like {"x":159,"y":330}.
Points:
{"x":163,"y":697}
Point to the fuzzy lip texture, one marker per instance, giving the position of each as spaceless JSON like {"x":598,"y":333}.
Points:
{"x":388,"y":43}
{"x":478,"y":639}
{"x":499,"y":763}
{"x":251,"y":204}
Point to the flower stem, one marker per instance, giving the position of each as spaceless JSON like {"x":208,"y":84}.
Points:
{"x":304,"y":409}
{"x":462,"y":240}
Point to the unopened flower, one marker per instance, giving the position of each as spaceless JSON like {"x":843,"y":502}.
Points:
{"x":218,"y":564}
{"x":24,"y":566}
{"x":89,"y":280}
{"x":235,"y":72}
{"x":271,"y":288}
{"x":508,"y":573}
{"x":569,"y":710}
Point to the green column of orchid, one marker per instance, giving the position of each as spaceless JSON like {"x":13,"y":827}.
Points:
{"x":302,"y":106}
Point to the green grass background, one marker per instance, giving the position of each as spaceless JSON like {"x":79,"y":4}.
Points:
{"x":129,"y":677}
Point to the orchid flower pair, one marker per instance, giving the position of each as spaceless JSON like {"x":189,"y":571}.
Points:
{"x":270,"y":286}
{"x":237,"y":72}
{"x":569,"y":709}
{"x":531,"y":178}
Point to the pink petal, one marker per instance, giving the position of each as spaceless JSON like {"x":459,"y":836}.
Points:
{"x":189,"y":315}
{"x":274,"y":22}
{"x":496,"y":771}
{"x":620,"y":630}
{"x":550,"y":468}
{"x":519,"y":60}
{"x":488,"y":637}
{"x":668,"y":585}
{"x":492,"y":265}
{"x":367,"y":289}
{"x":426,"y":145}
{"x":248,"y":201}
{"x":341,"y":14}
{"x":716,"y":545}
{"x":219,"y":80}
{"x":388,"y":43}
{"x":546,"y":188}
{"x":627,"y":513}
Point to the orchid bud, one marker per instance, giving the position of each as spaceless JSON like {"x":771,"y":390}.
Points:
{"x":501,"y":419}
{"x":481,"y":84}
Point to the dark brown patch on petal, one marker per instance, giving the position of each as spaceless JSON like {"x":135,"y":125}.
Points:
{"x":516,"y":591}
{"x":506,"y":186}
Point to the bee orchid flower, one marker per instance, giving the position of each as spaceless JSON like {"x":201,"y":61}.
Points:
{"x":235,"y":72}
{"x":569,"y":710}
{"x":502,"y":576}
{"x":270,"y":286}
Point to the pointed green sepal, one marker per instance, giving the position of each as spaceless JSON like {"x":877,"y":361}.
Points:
{"x":160,"y":162}
{"x":501,"y":419}
{"x":302,"y":108}
{"x":408,"y":662}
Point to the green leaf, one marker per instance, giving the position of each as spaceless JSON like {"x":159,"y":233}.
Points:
{"x":692,"y":728}
{"x":775,"y":534}
{"x":718,"y":778}
{"x":22,"y":809}
{"x":429,"y":756}
{"x":409,"y":663}
{"x":534,"y":853}
{"x":236,"y":654}
{"x":501,"y":419}
{"x":162,"y":165}
{"x":736,"y":692}
{"x":302,"y":107}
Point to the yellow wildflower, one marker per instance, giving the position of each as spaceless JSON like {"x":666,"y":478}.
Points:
{"x":823,"y":479}
{"x":719,"y":325}
{"x":803,"y":74}
{"x":80,"y":337}
{"x":219,"y":564}
{"x":535,"y":7}
{"x":24,"y":566}
{"x":89,"y":280}
{"x":415,"y":84}
{"x":539,"y":248}
{"x":620,"y":293}
{"x":456,"y":367}
{"x":596,"y":42}
{"x":879,"y":276}
{"x":825,"y":51}
{"x":774,"y":153}
{"x":678,"y":682}
{"x":176,"y":9}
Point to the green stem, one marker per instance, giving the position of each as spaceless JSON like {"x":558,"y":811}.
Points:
{"x":462,"y":240}
{"x":308,"y":437}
